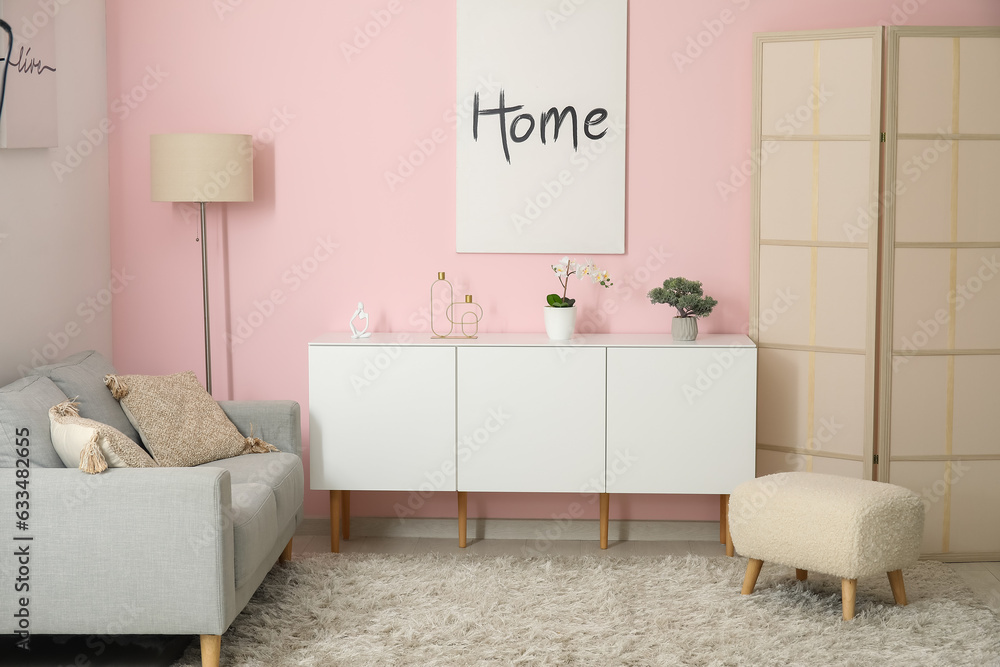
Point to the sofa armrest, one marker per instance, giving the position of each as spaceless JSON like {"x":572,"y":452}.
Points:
{"x":276,"y":422}
{"x":128,"y":551}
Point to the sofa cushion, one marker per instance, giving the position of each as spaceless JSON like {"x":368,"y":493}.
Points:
{"x":81,"y":377}
{"x":90,"y":445}
{"x":255,"y":527}
{"x":179,"y":422}
{"x":24,"y":411}
{"x":279,"y":471}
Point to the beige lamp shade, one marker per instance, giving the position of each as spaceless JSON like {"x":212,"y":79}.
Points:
{"x":201,"y":167}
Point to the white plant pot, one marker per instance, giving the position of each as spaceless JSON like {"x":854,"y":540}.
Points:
{"x":684,"y":328}
{"x":560,"y":322}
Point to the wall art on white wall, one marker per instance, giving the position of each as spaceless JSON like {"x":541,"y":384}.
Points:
{"x":541,"y":141}
{"x":27,"y":76}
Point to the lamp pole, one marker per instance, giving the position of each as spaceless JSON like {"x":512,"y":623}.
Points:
{"x":204,"y":287}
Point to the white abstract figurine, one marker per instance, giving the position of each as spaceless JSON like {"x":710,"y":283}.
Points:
{"x":360,"y":314}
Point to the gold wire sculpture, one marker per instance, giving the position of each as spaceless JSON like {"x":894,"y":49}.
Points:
{"x":469,"y":318}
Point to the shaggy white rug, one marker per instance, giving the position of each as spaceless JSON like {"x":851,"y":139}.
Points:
{"x":372,"y":609}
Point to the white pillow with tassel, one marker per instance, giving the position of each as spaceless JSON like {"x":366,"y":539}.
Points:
{"x":90,"y":445}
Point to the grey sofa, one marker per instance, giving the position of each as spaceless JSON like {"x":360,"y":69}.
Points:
{"x":138,"y":551}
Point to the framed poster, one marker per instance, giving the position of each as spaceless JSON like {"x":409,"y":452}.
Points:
{"x":541,"y":151}
{"x":27,"y":76}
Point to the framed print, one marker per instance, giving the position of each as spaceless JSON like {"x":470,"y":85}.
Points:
{"x":541,"y":153}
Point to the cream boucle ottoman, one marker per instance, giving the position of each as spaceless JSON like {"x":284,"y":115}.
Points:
{"x":845,"y":527}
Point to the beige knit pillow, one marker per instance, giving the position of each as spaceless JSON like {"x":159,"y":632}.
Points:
{"x":91,"y":445}
{"x":178,"y":421}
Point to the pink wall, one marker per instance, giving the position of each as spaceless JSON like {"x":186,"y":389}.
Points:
{"x":329,"y":127}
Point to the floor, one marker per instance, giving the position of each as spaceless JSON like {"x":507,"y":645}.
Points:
{"x":982,"y":578}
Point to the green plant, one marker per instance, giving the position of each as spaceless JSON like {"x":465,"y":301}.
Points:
{"x":684,"y":295}
{"x":568,"y":267}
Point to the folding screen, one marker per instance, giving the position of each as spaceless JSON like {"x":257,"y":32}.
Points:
{"x":939,"y":424}
{"x":815,"y":258}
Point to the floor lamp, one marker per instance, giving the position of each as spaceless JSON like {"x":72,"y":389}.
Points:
{"x":202,"y":168}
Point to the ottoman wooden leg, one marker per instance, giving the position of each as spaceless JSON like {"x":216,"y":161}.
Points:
{"x":849,"y":591}
{"x":801,"y":575}
{"x":896,"y":584}
{"x":750,"y":580}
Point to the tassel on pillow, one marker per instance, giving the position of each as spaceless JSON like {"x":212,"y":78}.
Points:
{"x":68,"y":408}
{"x":258,"y":446}
{"x":117,"y":386}
{"x":91,"y":458}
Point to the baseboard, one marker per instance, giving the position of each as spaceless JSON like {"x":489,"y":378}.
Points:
{"x":555,"y":529}
{"x":521,"y":529}
{"x":964,"y":557}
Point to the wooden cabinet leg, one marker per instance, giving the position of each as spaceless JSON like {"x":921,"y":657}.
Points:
{"x":896,"y":584}
{"x":605,"y":514}
{"x":286,"y":555}
{"x":801,"y":575}
{"x":730,"y":549}
{"x":335,"y":500}
{"x":723,"y":518}
{"x":849,"y":591}
{"x":345,"y":514}
{"x":750,"y":578}
{"x":463,"y":500}
{"x":211,"y":649}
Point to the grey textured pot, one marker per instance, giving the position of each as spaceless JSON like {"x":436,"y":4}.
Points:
{"x":684,"y":328}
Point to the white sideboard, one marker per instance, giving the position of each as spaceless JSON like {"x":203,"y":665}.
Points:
{"x":604,"y":413}
{"x":552,"y":408}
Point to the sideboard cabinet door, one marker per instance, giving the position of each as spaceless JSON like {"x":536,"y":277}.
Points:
{"x":531,"y":419}
{"x":681,"y":420}
{"x":382,"y":417}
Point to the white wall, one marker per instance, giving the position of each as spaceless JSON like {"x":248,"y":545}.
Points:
{"x":55,"y":251}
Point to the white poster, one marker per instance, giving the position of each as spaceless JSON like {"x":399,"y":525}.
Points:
{"x":27,"y":75}
{"x":541,"y":152}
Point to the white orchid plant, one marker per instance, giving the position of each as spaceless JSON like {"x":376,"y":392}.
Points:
{"x":568,"y":267}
